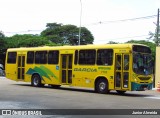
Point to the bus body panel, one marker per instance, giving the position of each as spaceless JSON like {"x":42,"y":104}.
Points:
{"x":48,"y":73}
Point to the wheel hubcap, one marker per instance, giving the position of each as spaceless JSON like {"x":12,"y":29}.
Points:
{"x":102,"y":86}
{"x":35,"y":81}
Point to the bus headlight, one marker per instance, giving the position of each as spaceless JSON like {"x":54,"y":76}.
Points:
{"x":135,"y":80}
{"x":152,"y":79}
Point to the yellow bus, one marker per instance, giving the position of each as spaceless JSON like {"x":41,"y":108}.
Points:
{"x":120,"y":67}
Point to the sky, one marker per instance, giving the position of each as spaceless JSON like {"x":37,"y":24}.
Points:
{"x":31,"y":17}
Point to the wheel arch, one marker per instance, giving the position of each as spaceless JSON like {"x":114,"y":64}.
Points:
{"x":35,"y":73}
{"x":100,"y":78}
{"x":32,"y":77}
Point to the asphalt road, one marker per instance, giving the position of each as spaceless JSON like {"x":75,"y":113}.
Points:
{"x":20,"y":95}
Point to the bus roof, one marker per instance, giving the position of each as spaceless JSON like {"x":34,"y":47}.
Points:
{"x":90,"y":46}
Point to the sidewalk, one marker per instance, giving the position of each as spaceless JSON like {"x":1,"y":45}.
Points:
{"x":2,"y":77}
{"x":154,"y":88}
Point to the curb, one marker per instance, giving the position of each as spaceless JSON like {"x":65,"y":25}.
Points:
{"x":154,"y":88}
{"x":2,"y":77}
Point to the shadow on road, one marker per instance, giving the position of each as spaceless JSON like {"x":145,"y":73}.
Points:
{"x":127,"y":94}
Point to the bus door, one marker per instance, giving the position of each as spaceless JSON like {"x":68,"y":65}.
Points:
{"x":67,"y":68}
{"x":21,"y":67}
{"x":122,"y":71}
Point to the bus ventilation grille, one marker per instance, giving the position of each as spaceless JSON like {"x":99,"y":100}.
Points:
{"x":144,"y":78}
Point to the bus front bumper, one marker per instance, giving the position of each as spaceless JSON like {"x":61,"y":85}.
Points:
{"x":140,"y":87}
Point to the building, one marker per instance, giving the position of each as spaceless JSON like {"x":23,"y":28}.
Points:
{"x":157,"y":66}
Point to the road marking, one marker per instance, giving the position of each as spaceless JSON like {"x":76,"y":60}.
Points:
{"x":153,"y":97}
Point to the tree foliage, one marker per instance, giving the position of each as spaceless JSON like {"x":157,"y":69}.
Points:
{"x":2,"y":41}
{"x":67,"y":34}
{"x":155,"y":36}
{"x":2,"y":48}
{"x":26,"y":40}
{"x":112,"y":42}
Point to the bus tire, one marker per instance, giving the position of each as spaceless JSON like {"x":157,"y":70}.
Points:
{"x":102,"y":86}
{"x":120,"y":92}
{"x":1,"y":71}
{"x":36,"y":81}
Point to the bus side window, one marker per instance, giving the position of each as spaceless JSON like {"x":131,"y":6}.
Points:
{"x":81,"y":57}
{"x":87,"y":57}
{"x":12,"y":56}
{"x":30,"y":57}
{"x":53,"y":57}
{"x":104,"y":57}
{"x":76,"y":57}
{"x":41,"y":57}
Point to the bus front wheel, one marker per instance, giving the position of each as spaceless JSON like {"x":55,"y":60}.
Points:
{"x":102,"y":86}
{"x":36,"y":81}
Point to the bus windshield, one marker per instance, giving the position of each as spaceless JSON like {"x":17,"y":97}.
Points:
{"x":142,"y":63}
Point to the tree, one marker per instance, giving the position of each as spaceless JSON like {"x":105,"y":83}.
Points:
{"x":26,"y":40}
{"x":112,"y":42}
{"x":53,"y":25}
{"x":2,"y":41}
{"x":1,"y":34}
{"x":66,"y":34}
{"x":155,"y":36}
{"x":2,"y":48}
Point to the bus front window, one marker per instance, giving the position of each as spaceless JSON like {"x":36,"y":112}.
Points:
{"x":142,"y":64}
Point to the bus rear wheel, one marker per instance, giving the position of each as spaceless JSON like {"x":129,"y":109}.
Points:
{"x":102,"y":86}
{"x":36,"y":81}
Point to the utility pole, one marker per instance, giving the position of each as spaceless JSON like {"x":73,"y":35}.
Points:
{"x":79,"y":41}
{"x":157,"y":32}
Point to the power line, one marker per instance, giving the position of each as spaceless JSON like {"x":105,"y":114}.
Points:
{"x":97,"y":23}
{"x":125,"y":37}
{"x":123,"y":20}
{"x":23,"y":31}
